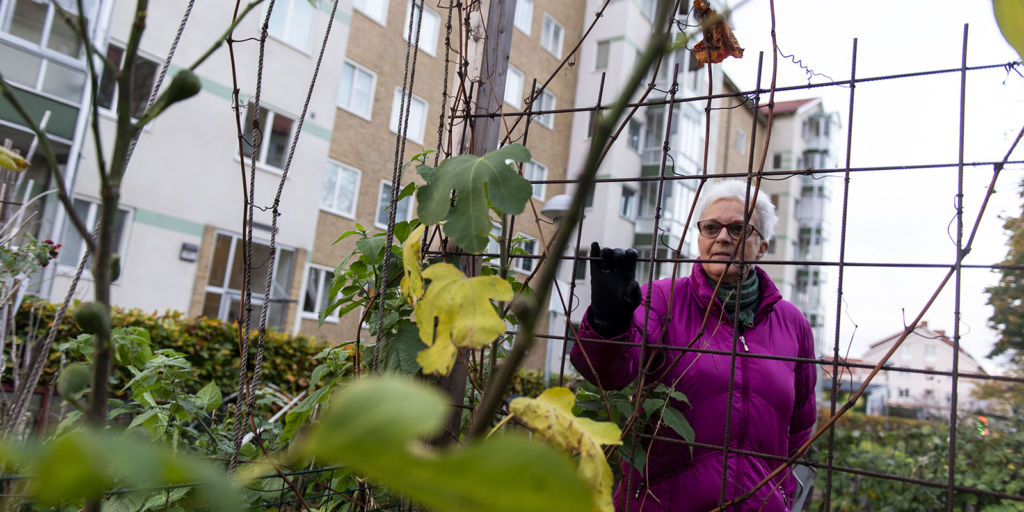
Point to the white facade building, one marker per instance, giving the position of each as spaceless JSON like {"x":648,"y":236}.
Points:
{"x":182,"y":196}
{"x":930,"y":350}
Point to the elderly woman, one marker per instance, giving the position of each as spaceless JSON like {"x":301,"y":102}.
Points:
{"x":698,"y":341}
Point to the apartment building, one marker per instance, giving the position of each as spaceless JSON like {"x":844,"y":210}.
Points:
{"x":179,"y":224}
{"x":360,"y":170}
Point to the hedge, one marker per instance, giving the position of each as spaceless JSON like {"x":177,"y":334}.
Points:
{"x":210,"y":345}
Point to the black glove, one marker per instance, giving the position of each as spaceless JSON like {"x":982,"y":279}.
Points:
{"x":614,"y":292}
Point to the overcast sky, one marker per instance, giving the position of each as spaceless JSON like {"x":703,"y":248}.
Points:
{"x":903,"y":216}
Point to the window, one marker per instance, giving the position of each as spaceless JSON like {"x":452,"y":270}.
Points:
{"x":429,"y":27}
{"x":741,"y":141}
{"x":905,"y":354}
{"x":89,"y":212}
{"x":581,"y":265}
{"x":376,"y":10}
{"x":47,"y":57}
{"x":636,"y":129}
{"x":355,"y":92}
{"x":545,"y":101}
{"x":524,"y":15}
{"x":776,"y":160}
{"x":38,"y":22}
{"x":534,"y":171}
{"x":318,"y":285}
{"x":904,"y":392}
{"x":340,"y":189}
{"x":524,"y":245}
{"x":513,"y":87}
{"x":551,"y":36}
{"x":601,"y":62}
{"x":292,"y":21}
{"x":493,"y":246}
{"x":929,"y":353}
{"x":276,"y":130}
{"x":145,"y":77}
{"x":417,"y":111}
{"x":402,"y":213}
{"x":224,"y":284}
{"x":627,"y":204}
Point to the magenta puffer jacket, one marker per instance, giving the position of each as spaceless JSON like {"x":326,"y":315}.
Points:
{"x":773,"y":402}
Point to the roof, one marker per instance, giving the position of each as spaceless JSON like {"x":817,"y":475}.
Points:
{"x":924,"y":331}
{"x":788,"y":107}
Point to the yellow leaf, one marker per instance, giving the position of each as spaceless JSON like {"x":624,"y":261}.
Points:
{"x":1010,"y":17}
{"x":412,"y":281}
{"x":461,"y":307}
{"x":12,"y":161}
{"x":550,"y":417}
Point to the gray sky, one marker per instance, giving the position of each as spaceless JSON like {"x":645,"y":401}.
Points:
{"x":903,"y":216}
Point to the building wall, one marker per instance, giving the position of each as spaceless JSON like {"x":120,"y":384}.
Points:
{"x":926,"y":349}
{"x":184,"y":180}
{"x":364,"y":141}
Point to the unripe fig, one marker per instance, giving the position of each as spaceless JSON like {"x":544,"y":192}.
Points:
{"x":93,"y":318}
{"x":74,"y":378}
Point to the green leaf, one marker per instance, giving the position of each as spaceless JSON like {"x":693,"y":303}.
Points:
{"x":374,"y":426}
{"x":372,"y":247}
{"x":83,"y":464}
{"x":677,"y":422}
{"x":1010,"y":17}
{"x":473,"y":178}
{"x":209,"y":397}
{"x":298,"y":416}
{"x":400,"y":350}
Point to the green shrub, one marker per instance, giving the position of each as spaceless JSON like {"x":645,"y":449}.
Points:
{"x":210,"y":345}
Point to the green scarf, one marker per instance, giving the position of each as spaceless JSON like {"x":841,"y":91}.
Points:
{"x":750,"y":298}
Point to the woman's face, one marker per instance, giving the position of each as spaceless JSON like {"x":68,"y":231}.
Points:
{"x":723,"y":247}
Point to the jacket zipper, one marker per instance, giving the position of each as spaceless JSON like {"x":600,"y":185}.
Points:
{"x":744,"y":342}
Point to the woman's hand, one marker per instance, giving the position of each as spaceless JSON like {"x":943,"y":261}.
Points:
{"x":614,"y":292}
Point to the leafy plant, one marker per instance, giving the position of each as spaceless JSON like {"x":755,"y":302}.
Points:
{"x":375,"y":424}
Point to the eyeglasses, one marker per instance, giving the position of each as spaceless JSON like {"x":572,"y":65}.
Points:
{"x":711,"y":229}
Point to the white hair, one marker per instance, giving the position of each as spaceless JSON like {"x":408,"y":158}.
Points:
{"x":737,"y":189}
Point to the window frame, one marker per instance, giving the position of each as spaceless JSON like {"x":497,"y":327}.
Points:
{"x":393,"y":123}
{"x":514,"y":98}
{"x":381,"y":199}
{"x":635,"y":141}
{"x":541,"y":103}
{"x":285,"y":38}
{"x":46,"y":32}
{"x":628,"y":201}
{"x":227,"y":294}
{"x":382,"y":20}
{"x":357,"y":68}
{"x":90,"y":220}
{"x":432,"y":32}
{"x":518,"y":261}
{"x":607,"y":44}
{"x":355,"y":192}
{"x":267,"y":121}
{"x":112,"y":109}
{"x":550,"y":21}
{"x":530,"y":170}
{"x":523,"y":18}
{"x":323,"y":284}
